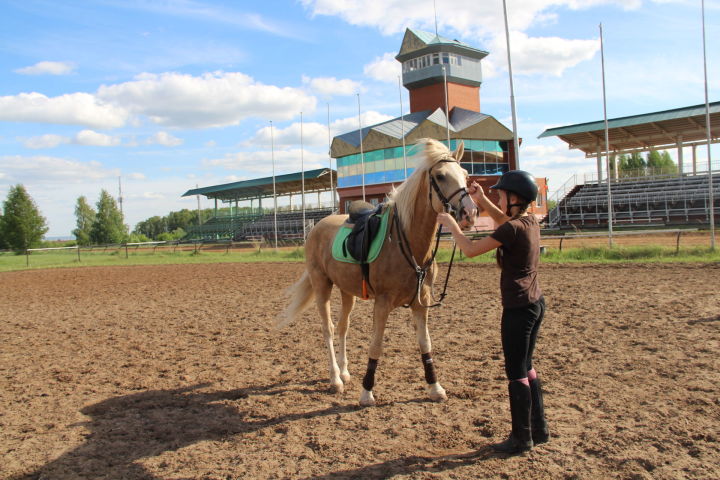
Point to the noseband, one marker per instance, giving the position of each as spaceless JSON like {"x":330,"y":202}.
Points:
{"x":449,"y":208}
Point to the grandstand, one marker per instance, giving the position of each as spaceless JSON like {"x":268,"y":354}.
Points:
{"x":289,"y":225}
{"x":260,"y":225}
{"x":651,"y":198}
{"x":654,"y":200}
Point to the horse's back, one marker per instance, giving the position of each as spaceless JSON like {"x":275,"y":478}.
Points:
{"x":320,"y":238}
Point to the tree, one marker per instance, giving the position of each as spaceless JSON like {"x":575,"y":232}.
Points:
{"x":108,"y":226}
{"x":661,"y":162}
{"x":634,"y":166}
{"x":182,"y":219}
{"x":152,"y":227}
{"x":21,"y":225}
{"x":85,"y":218}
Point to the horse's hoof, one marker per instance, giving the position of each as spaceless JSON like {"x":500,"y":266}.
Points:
{"x":345,"y":376}
{"x":367,"y":399}
{"x":337,"y":387}
{"x":436,"y":393}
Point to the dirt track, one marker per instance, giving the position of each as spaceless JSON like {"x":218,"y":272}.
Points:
{"x":173,"y":372}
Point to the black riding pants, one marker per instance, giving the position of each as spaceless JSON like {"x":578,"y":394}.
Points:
{"x":519,"y":331}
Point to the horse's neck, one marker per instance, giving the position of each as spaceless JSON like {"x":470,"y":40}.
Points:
{"x":422,"y":232}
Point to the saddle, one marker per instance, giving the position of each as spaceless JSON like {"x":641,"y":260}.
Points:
{"x":366,"y":221}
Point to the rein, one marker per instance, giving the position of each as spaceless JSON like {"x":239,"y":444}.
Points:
{"x":421,"y":271}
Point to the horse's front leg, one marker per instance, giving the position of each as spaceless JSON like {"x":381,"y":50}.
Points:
{"x":380,"y":315}
{"x":434,"y":390}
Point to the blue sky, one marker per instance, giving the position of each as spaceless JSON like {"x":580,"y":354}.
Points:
{"x":176,"y":93}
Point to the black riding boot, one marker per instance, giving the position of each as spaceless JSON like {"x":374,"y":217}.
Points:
{"x":520,"y":439}
{"x":538,"y":424}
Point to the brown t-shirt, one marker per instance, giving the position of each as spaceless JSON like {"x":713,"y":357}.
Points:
{"x":519,"y":254}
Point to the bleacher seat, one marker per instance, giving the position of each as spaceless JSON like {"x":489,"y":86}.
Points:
{"x":668,"y":200}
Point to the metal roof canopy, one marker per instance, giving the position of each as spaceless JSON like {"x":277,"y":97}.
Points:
{"x":660,"y":130}
{"x":315,"y":181}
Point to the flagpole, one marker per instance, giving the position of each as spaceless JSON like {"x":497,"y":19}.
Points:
{"x":447,"y":108}
{"x":302,"y":174}
{"x":516,"y":144}
{"x":607,"y":144}
{"x":332,"y":189}
{"x":402,"y":126}
{"x":709,"y":137}
{"x":272,"y":156}
{"x":362,"y":155}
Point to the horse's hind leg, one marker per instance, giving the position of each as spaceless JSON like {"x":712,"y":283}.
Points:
{"x":348,"y":302}
{"x":323,"y":289}
{"x":434,"y":390}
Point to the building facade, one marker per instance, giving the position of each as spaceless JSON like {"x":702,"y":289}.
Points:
{"x":443,"y":78}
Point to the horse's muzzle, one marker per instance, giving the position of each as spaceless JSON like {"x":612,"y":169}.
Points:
{"x":467,"y":213}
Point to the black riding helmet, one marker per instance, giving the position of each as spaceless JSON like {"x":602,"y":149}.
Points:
{"x":520,"y":183}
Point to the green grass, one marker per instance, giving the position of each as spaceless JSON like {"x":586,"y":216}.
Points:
{"x":63,"y":259}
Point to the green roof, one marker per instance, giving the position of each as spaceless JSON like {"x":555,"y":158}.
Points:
{"x":657,"y":130}
{"x":263,"y":187}
{"x":431,"y":38}
{"x":632,"y":120}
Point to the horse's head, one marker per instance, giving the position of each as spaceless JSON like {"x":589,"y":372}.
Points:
{"x":448,"y":184}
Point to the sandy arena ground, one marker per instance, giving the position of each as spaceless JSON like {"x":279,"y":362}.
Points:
{"x":174,"y":372}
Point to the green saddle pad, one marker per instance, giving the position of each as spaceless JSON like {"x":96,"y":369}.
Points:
{"x":375,"y":245}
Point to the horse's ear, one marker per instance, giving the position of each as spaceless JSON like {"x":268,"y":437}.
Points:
{"x":459,"y":151}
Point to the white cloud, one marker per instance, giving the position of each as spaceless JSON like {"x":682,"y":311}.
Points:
{"x":95,"y":139}
{"x":45,"y":141}
{"x":344,"y":125}
{"x":165,"y":139}
{"x":47,"y":68}
{"x":383,"y":69}
{"x":137,"y":176}
{"x":313,"y":134}
{"x":210,"y":100}
{"x":545,"y":55}
{"x":147,"y":196}
{"x":55,"y":170}
{"x":72,"y":109}
{"x":470,"y":18}
{"x":479,"y":23}
{"x":83,"y":137}
{"x":330,"y":86}
{"x":259,"y":163}
{"x":553,"y":160}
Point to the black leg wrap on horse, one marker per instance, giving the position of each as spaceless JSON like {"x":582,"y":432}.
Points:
{"x":429,"y":366}
{"x":369,"y":380}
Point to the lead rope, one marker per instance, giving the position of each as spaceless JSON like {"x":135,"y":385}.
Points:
{"x":421,"y":272}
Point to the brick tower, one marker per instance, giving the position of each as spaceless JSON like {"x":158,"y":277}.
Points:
{"x":428,"y":59}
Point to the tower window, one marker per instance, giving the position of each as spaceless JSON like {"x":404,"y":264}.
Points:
{"x":435,"y":59}
{"x":446,"y":58}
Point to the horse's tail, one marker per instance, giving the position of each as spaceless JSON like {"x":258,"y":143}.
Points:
{"x":301,"y":296}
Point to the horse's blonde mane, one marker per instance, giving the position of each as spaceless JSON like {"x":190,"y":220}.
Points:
{"x":406,"y":195}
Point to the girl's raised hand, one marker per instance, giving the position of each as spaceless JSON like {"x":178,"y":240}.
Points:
{"x":476,"y":191}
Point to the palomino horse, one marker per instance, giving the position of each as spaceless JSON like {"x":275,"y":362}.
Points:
{"x":437,"y":184}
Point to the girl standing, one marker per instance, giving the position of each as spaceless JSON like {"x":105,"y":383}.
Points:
{"x":517,"y":240}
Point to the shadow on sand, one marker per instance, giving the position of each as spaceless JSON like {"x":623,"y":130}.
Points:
{"x":125,"y":429}
{"x":146,"y":424}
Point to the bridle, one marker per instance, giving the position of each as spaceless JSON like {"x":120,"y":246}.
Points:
{"x":421,"y":271}
{"x":462,"y":191}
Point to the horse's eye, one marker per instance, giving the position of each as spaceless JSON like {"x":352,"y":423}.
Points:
{"x":441,"y":177}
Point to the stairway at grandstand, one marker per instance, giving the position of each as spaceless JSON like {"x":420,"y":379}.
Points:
{"x":257,"y":228}
{"x":660,"y":200}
